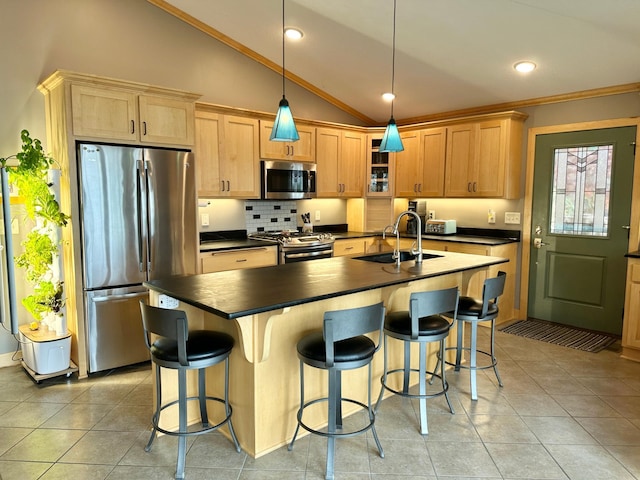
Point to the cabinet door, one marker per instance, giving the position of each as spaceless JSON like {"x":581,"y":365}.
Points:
{"x":352,"y":164}
{"x":304,"y":150}
{"x":219,"y":261}
{"x":328,"y":146}
{"x":207,"y":154}
{"x":349,"y":247}
{"x":166,"y":120}
{"x":379,"y":175}
{"x":110,"y":114}
{"x":631,"y":325}
{"x":409,"y":166}
{"x":239,"y":158}
{"x":460,"y":161}
{"x":489,"y":168}
{"x":433,"y":145}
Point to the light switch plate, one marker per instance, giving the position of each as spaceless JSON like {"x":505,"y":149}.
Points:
{"x":204,"y":219}
{"x":512,"y":218}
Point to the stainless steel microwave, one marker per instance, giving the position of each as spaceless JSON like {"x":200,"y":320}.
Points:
{"x":288,"y":180}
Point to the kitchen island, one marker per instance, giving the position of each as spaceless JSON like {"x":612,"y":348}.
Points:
{"x":267,"y":310}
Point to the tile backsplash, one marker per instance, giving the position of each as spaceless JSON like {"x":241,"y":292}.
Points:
{"x":266,"y":216}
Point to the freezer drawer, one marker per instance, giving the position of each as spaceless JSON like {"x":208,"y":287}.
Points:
{"x":115,"y":336}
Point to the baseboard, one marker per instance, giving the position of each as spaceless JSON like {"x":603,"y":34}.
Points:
{"x":7,"y":360}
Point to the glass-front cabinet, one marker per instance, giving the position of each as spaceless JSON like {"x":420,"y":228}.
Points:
{"x":379,"y":169}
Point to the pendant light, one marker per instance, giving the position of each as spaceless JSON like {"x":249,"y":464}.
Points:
{"x":284,"y":128}
{"x":391,"y":141}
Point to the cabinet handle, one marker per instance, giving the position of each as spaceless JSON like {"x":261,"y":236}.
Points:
{"x":348,"y":248}
{"x":475,"y":184}
{"x":222,"y":182}
{"x":133,"y":127}
{"x":240,"y":260}
{"x":293,"y":150}
{"x":144,"y":128}
{"x":469,"y":187}
{"x":420,"y":187}
{"x":228,"y":186}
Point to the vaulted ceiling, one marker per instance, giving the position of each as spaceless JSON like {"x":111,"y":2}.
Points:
{"x":451,"y":55}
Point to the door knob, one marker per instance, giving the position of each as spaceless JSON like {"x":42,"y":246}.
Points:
{"x":626,"y":227}
{"x":537,"y":242}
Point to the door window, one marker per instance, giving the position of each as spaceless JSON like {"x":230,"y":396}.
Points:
{"x":581,"y":191}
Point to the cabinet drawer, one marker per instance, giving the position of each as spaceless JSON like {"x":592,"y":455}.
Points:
{"x":349,"y":247}
{"x":238,"y":259}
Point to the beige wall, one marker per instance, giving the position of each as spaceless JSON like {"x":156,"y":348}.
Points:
{"x":133,"y":40}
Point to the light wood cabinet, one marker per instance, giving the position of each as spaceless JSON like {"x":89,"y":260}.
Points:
{"x":227,"y":156}
{"x":420,"y":167}
{"x":631,"y":324}
{"x":379,"y":169}
{"x":483,"y":159}
{"x":340,"y":158}
{"x":304,"y":150}
{"x":354,"y":246}
{"x":220,"y":260}
{"x":122,"y":114}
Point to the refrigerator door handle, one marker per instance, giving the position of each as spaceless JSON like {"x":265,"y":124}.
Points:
{"x":120,"y":297}
{"x":140,"y":227}
{"x":149,"y":213}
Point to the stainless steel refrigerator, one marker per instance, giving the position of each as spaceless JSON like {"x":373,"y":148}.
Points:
{"x":138,"y":208}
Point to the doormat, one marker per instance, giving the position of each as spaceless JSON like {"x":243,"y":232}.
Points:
{"x":560,"y":335}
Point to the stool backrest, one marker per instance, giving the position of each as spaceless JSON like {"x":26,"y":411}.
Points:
{"x":167,"y":323}
{"x":434,"y":302}
{"x":343,"y":324}
{"x":493,"y":288}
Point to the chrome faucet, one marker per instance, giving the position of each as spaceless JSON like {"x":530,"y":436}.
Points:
{"x":384,"y":232}
{"x":415,"y":251}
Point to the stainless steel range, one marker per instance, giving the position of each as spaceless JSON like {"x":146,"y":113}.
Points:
{"x":298,"y":246}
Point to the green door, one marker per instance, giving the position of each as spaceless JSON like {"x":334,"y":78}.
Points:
{"x":580,"y":227}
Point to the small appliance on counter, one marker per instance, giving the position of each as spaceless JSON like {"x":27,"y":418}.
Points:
{"x":440,"y":227}
{"x":420,"y":207}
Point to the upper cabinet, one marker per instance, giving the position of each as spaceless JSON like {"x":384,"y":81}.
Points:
{"x":304,"y":150}
{"x":483,"y":158}
{"x":341,"y":160}
{"x":420,"y":166}
{"x":111,"y":112}
{"x":227,"y":156}
{"x":379,"y":169}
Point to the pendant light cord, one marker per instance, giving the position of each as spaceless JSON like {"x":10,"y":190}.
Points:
{"x":393,"y":58}
{"x":282,"y":33}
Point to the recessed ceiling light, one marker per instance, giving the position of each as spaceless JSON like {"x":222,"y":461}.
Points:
{"x":293,"y":33}
{"x":525,"y":66}
{"x":387,"y":97}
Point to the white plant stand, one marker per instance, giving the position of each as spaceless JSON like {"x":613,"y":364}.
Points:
{"x":45,"y":354}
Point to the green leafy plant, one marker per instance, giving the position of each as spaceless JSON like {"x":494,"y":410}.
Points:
{"x":30,"y":176}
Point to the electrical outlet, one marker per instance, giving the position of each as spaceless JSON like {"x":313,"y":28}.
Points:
{"x":317,"y":215}
{"x":512,"y":218}
{"x":165,"y":301}
{"x":431,"y":215}
{"x":204,"y":219}
{"x":491,"y":216}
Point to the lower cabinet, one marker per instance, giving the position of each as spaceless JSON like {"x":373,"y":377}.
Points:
{"x":631,"y":324}
{"x":220,"y":260}
{"x":354,"y":246}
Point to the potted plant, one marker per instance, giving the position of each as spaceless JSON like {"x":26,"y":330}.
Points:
{"x":31,"y":177}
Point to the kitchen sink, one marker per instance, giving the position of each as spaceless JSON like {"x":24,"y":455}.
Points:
{"x":388,"y":257}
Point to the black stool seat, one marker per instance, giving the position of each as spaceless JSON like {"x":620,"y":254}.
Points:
{"x":341,"y":345}
{"x":400,"y":323}
{"x":313,"y":349}
{"x":469,"y":306}
{"x":177,"y":348}
{"x":422,"y":323}
{"x":201,"y":345}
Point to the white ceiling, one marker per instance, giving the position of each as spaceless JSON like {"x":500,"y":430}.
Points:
{"x":450,"y":54}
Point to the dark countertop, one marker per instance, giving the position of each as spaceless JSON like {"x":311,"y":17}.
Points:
{"x":635,"y":254}
{"x":230,"y":244}
{"x":238,"y":293}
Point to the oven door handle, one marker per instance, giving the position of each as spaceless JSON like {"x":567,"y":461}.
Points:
{"x":308,"y":254}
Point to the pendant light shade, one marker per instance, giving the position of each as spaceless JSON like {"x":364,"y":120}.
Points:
{"x":391,"y":141}
{"x":284,"y":128}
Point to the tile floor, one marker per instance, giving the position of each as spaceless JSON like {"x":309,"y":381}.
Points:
{"x":562,"y":414}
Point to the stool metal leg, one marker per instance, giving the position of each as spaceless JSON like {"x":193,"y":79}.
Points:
{"x":299,"y":415}
{"x":182,"y":422}
{"x":372,"y":416}
{"x":334,"y":421}
{"x":383,"y":380}
{"x":407,"y":367}
{"x":445,"y":387}
{"x":493,"y":356}
{"x":473,"y":360}
{"x":202,"y":397}
{"x":459,"y":345}
{"x":424,"y":429}
{"x":227,"y":407}
{"x":156,"y":416}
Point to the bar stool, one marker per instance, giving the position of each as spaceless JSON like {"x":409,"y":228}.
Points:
{"x":473,"y":311}
{"x":341,"y":345}
{"x":423,"y":323}
{"x":179,"y":349}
